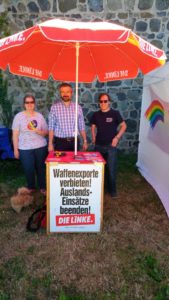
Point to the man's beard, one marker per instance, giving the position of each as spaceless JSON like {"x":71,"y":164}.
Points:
{"x":66,"y":99}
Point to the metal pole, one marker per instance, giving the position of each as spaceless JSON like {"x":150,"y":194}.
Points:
{"x":76,"y":95}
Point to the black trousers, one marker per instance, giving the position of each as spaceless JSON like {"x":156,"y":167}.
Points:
{"x":65,"y":144}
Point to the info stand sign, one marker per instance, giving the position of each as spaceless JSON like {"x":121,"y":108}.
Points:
{"x":75,"y":193}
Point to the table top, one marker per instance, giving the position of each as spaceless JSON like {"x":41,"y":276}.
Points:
{"x":70,"y":157}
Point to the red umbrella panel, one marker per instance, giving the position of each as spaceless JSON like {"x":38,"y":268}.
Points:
{"x":107,"y":51}
{"x":78,"y":52}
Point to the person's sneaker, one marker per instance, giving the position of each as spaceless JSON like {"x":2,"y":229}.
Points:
{"x":43,"y":192}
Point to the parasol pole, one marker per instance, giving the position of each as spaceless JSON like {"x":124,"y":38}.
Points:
{"x":76,"y":94}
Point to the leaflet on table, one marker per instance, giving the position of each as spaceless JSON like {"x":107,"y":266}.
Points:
{"x":69,"y":157}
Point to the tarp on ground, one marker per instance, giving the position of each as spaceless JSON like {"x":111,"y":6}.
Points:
{"x":153,"y":151}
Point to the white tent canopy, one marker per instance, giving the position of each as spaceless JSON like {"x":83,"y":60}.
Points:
{"x":153,"y":151}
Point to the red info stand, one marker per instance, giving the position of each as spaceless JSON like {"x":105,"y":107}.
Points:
{"x":75,"y":186}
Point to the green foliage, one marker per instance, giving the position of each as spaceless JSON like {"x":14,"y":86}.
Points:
{"x":15,"y":268}
{"x":5,"y":103}
{"x":163,"y":293}
{"x":31,"y":250}
{"x":11,"y":172}
{"x":4,"y":25}
{"x":4,"y":296}
{"x":127,"y":163}
{"x":63,"y":296}
{"x":151,"y":267}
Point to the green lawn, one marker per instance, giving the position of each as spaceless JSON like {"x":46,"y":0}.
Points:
{"x":128,"y":259}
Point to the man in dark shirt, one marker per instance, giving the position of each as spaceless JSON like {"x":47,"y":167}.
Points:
{"x":107,"y":128}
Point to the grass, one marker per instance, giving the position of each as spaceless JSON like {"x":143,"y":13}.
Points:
{"x":127,"y":260}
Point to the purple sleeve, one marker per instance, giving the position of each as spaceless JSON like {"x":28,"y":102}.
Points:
{"x":44,"y":125}
{"x":16,"y":123}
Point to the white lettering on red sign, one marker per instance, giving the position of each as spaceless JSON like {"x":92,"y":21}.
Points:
{"x":116,"y":74}
{"x":30,"y":70}
{"x":72,"y":220}
{"x":63,"y":220}
{"x":148,"y":48}
{"x":18,"y":37}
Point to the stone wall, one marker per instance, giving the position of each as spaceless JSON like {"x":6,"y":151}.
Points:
{"x":147,"y":18}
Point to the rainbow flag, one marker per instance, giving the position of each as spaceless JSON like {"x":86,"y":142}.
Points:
{"x":155,"y":113}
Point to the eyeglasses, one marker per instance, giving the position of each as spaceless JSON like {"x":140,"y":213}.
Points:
{"x":29,"y":102}
{"x":103,"y":101}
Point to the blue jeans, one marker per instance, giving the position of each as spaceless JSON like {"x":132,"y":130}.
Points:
{"x":33,"y":162}
{"x":109,"y":153}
